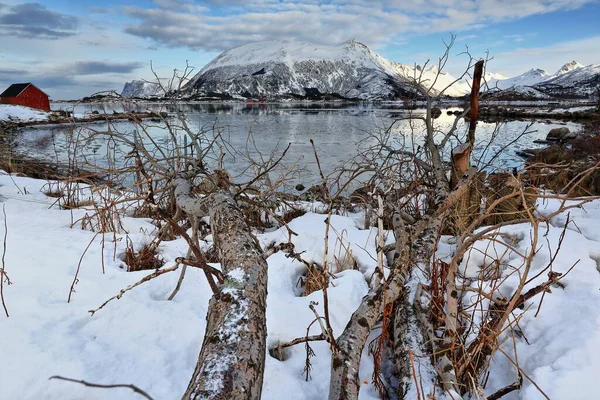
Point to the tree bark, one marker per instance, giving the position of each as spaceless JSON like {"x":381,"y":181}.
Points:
{"x":231,"y":362}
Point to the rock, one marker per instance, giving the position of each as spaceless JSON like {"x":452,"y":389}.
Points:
{"x":315,"y":193}
{"x":435,"y":112}
{"x":527,"y":153}
{"x":570,"y":135}
{"x":557,"y":134}
{"x":300,"y":187}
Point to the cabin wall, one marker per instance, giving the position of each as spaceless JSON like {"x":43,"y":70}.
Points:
{"x":30,"y":97}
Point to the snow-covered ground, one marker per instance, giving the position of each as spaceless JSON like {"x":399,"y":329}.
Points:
{"x":153,"y":343}
{"x":10,"y":112}
{"x":143,"y":338}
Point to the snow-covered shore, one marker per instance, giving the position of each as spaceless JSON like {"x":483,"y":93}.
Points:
{"x":151,"y":342}
{"x":15,"y":113}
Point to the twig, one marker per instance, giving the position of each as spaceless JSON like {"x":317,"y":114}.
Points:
{"x":266,"y":171}
{"x":523,"y":372}
{"x":332,"y":342}
{"x":414,"y":373}
{"x":324,"y":330}
{"x":128,"y":288}
{"x":507,"y":389}
{"x":202,"y":265}
{"x":302,"y":339}
{"x":3,"y":270}
{"x":97,"y":385}
{"x":75,"y":280}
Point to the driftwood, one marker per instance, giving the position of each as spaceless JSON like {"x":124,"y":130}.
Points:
{"x":344,"y":382}
{"x":232,"y":358}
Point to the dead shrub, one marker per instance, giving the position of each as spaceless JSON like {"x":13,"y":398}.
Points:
{"x":558,"y":167}
{"x":288,"y":216}
{"x":342,"y":254}
{"x":103,"y":220}
{"x":144,"y":211}
{"x":482,"y":193}
{"x":144,"y":259}
{"x":313,"y":280}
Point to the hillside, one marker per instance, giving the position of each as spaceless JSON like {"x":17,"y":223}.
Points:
{"x":142,"y":89}
{"x":295,"y":69}
{"x":281,"y":69}
{"x":571,"y":81}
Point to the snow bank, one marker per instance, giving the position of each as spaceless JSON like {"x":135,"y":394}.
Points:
{"x":151,"y":342}
{"x":10,"y":112}
{"x":143,"y":338}
{"x":558,"y":347}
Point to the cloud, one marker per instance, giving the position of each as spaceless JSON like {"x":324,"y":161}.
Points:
{"x":225,"y":24}
{"x":550,"y":58}
{"x":43,"y":80}
{"x":34,"y":20}
{"x":183,"y":5}
{"x":101,"y":67}
{"x":201,"y":31}
{"x":6,"y":73}
{"x":68,"y":80}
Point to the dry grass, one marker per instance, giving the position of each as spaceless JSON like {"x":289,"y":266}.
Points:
{"x":288,"y":216}
{"x":314,"y":280}
{"x":144,"y":259}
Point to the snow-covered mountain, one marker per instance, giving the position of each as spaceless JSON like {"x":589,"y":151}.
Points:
{"x":529,"y":78}
{"x":568,"y":67}
{"x":572,"y":80}
{"x":142,"y":89}
{"x":289,"y":68}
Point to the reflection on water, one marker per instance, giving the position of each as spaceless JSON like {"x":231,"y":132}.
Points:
{"x":340,"y":131}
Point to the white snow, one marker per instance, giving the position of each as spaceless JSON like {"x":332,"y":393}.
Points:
{"x":576,"y":75}
{"x":15,"y":113}
{"x":144,"y":89}
{"x":143,"y":338}
{"x":349,"y":68}
{"x":529,"y":78}
{"x":568,"y":75}
{"x":151,"y":342}
{"x":290,"y":52}
{"x":556,"y":348}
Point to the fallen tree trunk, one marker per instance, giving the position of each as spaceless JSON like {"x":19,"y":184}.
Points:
{"x":344,"y":382}
{"x":231,"y":361}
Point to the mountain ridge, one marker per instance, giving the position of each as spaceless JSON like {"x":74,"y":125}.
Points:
{"x":350,"y":70}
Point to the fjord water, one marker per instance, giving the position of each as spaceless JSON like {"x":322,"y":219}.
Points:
{"x":340,"y":131}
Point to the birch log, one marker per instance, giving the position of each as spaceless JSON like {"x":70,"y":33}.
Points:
{"x":232,"y":358}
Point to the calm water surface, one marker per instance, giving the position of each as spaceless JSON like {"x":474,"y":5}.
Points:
{"x":340,"y":131}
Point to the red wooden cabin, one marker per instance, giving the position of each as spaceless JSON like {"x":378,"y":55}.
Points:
{"x":26,"y":94}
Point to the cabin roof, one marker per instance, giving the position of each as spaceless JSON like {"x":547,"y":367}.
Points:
{"x":16,"y":89}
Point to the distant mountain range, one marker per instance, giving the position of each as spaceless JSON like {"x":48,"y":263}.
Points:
{"x":571,"y":81}
{"x":296,"y":70}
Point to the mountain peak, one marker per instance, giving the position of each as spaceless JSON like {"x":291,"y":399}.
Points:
{"x":570,"y":66}
{"x":536,"y":72}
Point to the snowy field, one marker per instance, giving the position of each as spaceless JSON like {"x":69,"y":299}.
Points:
{"x":10,"y":112}
{"x":153,"y":343}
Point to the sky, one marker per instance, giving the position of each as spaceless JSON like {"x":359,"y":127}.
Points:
{"x":74,"y":48}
